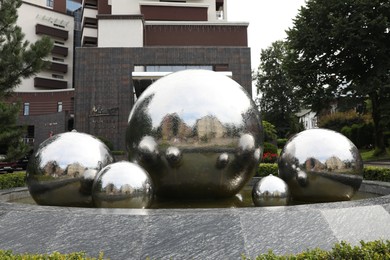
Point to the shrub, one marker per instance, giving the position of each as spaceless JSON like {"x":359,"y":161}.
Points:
{"x":12,"y":180}
{"x":266,"y":169}
{"x":282,"y":142}
{"x":369,"y":172}
{"x":367,"y":250}
{"x":270,"y":148}
{"x":360,"y":134}
{"x":376,"y":173}
{"x":7,"y":254}
{"x":269,"y":157}
{"x":338,"y":120}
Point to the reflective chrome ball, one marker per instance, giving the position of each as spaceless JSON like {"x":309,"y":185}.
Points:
{"x":122,"y":185}
{"x":62,"y":170}
{"x":321,"y":165}
{"x":197,"y":133}
{"x":270,"y":191}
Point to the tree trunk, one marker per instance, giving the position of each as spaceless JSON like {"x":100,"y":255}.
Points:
{"x":378,"y":130}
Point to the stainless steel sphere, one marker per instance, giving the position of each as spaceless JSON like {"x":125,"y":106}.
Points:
{"x":62,"y":170}
{"x":197,"y":133}
{"x":122,"y":185}
{"x":321,"y":165}
{"x":270,"y":191}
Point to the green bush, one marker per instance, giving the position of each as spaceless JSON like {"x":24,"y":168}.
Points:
{"x":360,"y":134}
{"x":266,"y":169}
{"x":12,"y":180}
{"x":270,"y":148}
{"x":376,"y":173}
{"x":367,"y":250}
{"x":7,"y":254}
{"x":282,"y":142}
{"x":369,"y":172}
{"x":338,"y":120}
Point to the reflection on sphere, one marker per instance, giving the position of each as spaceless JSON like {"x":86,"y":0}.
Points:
{"x":321,"y":165}
{"x":270,"y":191}
{"x":197,"y":133}
{"x":122,"y":185}
{"x":62,"y":170}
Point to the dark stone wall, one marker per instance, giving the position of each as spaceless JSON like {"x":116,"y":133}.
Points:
{"x":104,"y":87}
{"x":45,"y":125}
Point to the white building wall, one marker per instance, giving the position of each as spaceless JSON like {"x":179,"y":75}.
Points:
{"x":127,"y":33}
{"x":29,"y":16}
{"x":125,"y":7}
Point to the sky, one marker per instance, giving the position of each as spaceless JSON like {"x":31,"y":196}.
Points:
{"x":268,"y":21}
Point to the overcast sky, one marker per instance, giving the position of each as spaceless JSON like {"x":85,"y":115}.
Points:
{"x":268,"y":20}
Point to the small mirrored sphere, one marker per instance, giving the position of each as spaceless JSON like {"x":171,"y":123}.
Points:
{"x":61,"y":172}
{"x":197,"y":133}
{"x":270,"y":191}
{"x":321,"y":165}
{"x":122,"y":185}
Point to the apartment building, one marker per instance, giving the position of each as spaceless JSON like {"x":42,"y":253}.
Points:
{"x":126,"y":45}
{"x":48,"y":97}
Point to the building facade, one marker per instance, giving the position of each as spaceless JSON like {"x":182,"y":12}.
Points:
{"x":126,"y":45}
{"x":48,"y":97}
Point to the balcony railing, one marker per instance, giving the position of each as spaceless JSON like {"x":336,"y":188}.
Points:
{"x":59,"y":50}
{"x":50,"y":31}
{"x":50,"y":83}
{"x":59,"y":67}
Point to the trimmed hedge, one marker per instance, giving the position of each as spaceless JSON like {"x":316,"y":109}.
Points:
{"x":7,"y":254}
{"x":367,"y":250}
{"x":12,"y":180}
{"x":369,"y":173}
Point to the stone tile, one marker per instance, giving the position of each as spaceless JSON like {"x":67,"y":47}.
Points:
{"x":193,"y":236}
{"x":30,"y":231}
{"x":118,"y":236}
{"x":285,"y":231}
{"x":387,"y":207}
{"x":359,"y":223}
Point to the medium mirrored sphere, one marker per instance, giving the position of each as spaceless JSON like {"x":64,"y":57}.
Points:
{"x":321,"y":165}
{"x":197,"y":133}
{"x":270,"y":191}
{"x":122,"y":185}
{"x":62,"y":170}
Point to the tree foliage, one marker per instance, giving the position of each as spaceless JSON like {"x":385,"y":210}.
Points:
{"x":18,"y":59}
{"x":342,"y":48}
{"x":278,"y":103}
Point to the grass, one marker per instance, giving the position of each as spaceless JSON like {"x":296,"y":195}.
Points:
{"x":368,"y":155}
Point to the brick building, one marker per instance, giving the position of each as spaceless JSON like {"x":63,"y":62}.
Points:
{"x":126,"y":45}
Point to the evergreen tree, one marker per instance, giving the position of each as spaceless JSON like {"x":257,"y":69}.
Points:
{"x":18,"y":59}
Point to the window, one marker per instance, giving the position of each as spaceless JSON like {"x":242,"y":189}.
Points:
{"x":59,"y":106}
{"x":49,"y":3}
{"x":26,"y":109}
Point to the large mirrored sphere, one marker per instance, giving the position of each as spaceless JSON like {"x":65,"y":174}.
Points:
{"x":122,"y":185}
{"x":197,"y":133}
{"x":321,"y":165}
{"x":62,"y":170}
{"x":270,"y":191}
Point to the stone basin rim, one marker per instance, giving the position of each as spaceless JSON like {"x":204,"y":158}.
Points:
{"x":378,"y":187}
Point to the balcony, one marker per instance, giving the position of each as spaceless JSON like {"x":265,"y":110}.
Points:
{"x":173,"y":13}
{"x":60,"y":50}
{"x":50,"y":83}
{"x":59,"y":67}
{"x":195,"y":34}
{"x":50,"y":31}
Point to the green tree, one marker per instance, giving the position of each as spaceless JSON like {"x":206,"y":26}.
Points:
{"x":18,"y":59}
{"x":277,"y":103}
{"x":342,"y":48}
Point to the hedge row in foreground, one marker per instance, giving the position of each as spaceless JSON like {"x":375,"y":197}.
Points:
{"x":7,"y":254}
{"x":12,"y":180}
{"x":370,"y":172}
{"x":366,"y":250}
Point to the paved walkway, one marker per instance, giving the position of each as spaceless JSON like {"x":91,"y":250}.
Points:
{"x":193,"y":233}
{"x":380,"y":163}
